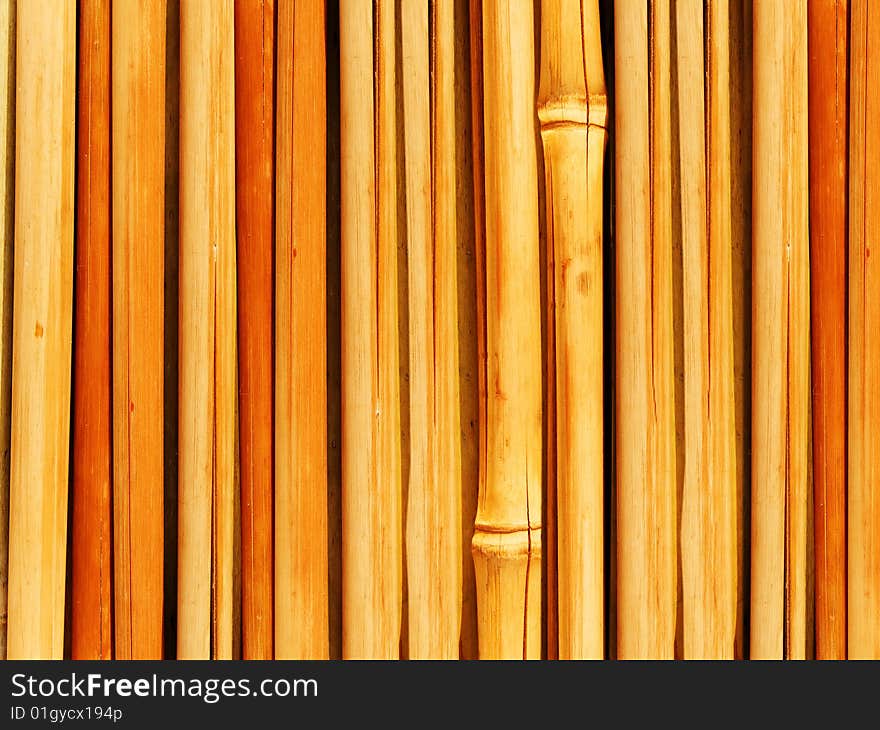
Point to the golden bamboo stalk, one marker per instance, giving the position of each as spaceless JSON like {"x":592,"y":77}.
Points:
{"x":207,"y":331}
{"x":138,"y":114}
{"x":863,"y":528}
{"x":42,"y":324}
{"x":781,"y":344}
{"x":301,"y":591}
{"x":507,"y":536}
{"x":433,"y":529}
{"x":572,"y":110}
{"x":644,"y":396}
{"x":371,"y":462}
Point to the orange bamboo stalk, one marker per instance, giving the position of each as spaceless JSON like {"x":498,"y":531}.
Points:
{"x":254,"y":125}
{"x":863,"y":527}
{"x":828,"y":69}
{"x":42,"y":324}
{"x":138,"y":301}
{"x":301,"y":591}
{"x":207,"y":331}
{"x":91,"y":623}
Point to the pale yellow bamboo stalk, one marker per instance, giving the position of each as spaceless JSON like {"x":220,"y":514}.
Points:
{"x":207,"y":331}
{"x":781,"y":326}
{"x":42,"y":326}
{"x":371,"y":500}
{"x":573,"y":120}
{"x":507,"y":537}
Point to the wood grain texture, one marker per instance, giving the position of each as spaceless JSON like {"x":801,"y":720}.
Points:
{"x":301,"y":597}
{"x":254,"y":205}
{"x":91,"y":620}
{"x":507,"y":537}
{"x":42,"y":326}
{"x":828,"y":74}
{"x":207,"y":331}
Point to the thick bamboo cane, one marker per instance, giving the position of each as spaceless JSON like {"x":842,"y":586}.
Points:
{"x":42,"y":326}
{"x":644,"y":407}
{"x":91,"y":618}
{"x":371,"y":468}
{"x":254,"y":126}
{"x":138,"y":299}
{"x":507,"y":537}
{"x":572,"y":111}
{"x":301,"y":592}
{"x":207,"y":330}
{"x":863,"y":557}
{"x":780,"y":321}
{"x":433,"y":530}
{"x":828,"y":73}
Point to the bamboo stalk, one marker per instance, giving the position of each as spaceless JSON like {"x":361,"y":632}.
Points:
{"x":91,"y":623}
{"x":42,"y":324}
{"x":207,"y":331}
{"x":433,"y":543}
{"x":507,"y":537}
{"x":254,"y":125}
{"x":780,"y":356}
{"x":371,"y":501}
{"x":828,"y":190}
{"x":863,"y":557}
{"x":573,"y":121}
{"x":644,"y":400}
{"x":301,"y":598}
{"x":138,"y":309}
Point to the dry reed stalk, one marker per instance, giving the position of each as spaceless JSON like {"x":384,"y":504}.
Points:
{"x":507,"y":537}
{"x":207,"y":331}
{"x":91,"y":618}
{"x":781,"y":345}
{"x":433,"y":530}
{"x":644,"y":398}
{"x":863,"y":557}
{"x":7,"y":209}
{"x":301,"y":592}
{"x":828,"y":69}
{"x":42,"y":324}
{"x":371,"y":463}
{"x":572,"y":110}
{"x":138,"y":179}
{"x":254,"y":126}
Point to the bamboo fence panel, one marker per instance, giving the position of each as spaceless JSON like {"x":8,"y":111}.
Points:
{"x":863,"y":533}
{"x":91,"y":619}
{"x":42,"y":326}
{"x":207,"y":331}
{"x":828,"y":73}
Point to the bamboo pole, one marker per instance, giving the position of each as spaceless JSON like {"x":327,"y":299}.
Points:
{"x":301,"y":597}
{"x":828,"y":69}
{"x":572,"y":111}
{"x":138,"y":118}
{"x":644,"y":407}
{"x":207,"y":331}
{"x":91,"y":619}
{"x":780,"y":356}
{"x":863,"y":557}
{"x":42,"y":324}
{"x":507,"y":537}
{"x":371,"y":468}
{"x":254,"y":125}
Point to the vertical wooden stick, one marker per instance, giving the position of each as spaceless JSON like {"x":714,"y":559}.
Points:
{"x":91,"y":620}
{"x":301,"y":592}
{"x":828,"y":73}
{"x":138,"y":298}
{"x":207,"y":330}
{"x":42,"y":324}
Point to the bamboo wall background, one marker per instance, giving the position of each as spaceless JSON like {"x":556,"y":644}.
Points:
{"x":439,"y":329}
